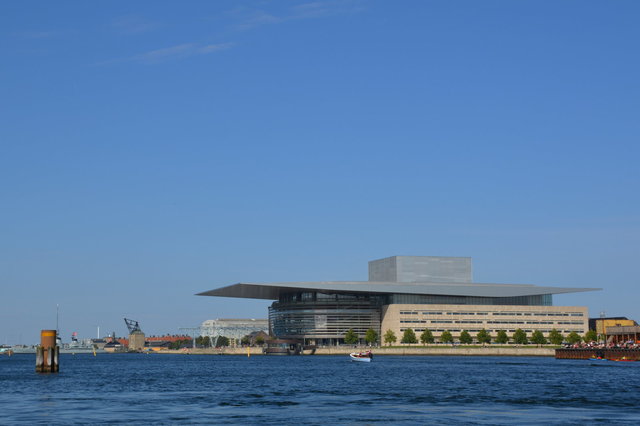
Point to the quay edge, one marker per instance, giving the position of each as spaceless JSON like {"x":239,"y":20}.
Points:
{"x":414,"y":351}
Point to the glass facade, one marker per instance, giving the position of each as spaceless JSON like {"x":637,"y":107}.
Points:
{"x":326,"y":317}
{"x":323,"y":317}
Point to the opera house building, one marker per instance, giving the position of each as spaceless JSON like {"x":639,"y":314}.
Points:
{"x":417,"y":292}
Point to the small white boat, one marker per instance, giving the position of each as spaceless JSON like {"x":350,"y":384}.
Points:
{"x":361,"y":356}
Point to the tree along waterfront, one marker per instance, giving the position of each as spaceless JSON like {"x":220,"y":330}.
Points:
{"x":390,"y":337}
{"x":519,"y":337}
{"x":409,"y":336}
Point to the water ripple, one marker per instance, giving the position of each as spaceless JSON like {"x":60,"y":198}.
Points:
{"x":167,"y":389}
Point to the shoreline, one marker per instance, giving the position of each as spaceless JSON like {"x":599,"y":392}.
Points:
{"x":409,"y":351}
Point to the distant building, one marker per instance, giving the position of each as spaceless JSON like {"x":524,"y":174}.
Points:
{"x":233,"y":328}
{"x":417,"y":292}
{"x":115,"y":345}
{"x":601,"y":325}
{"x":623,"y":334}
{"x":167,"y":338}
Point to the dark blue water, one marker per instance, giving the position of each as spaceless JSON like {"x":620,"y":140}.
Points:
{"x":183,"y":389}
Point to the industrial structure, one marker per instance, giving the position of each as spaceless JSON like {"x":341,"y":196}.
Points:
{"x":417,"y":292}
{"x":136,"y":336}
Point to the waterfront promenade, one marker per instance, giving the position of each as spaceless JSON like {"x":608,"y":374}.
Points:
{"x":415,"y":350}
{"x":448,"y":351}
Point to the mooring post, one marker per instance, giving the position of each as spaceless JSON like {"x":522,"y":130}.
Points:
{"x":47,"y":354}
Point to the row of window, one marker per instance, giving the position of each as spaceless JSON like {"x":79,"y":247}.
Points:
{"x":526,"y":314}
{"x":415,"y":299}
{"x":540,"y":314}
{"x":452,"y":330}
{"x":536,"y":322}
{"x":441,"y":313}
{"x":415,"y":321}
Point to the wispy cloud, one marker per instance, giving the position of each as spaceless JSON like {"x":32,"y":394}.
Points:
{"x":240,"y":18}
{"x":178,"y":52}
{"x":320,"y":9}
{"x":251,"y":18}
{"x":40,"y":34}
{"x":133,"y":25}
{"x":256,"y":18}
{"x":171,"y":53}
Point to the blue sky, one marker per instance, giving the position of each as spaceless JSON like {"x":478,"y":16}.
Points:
{"x":153,"y":150}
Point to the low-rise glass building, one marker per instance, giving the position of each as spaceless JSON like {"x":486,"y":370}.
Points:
{"x":235,"y":328}
{"x":417,"y":292}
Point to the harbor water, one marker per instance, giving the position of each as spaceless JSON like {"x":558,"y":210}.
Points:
{"x":189,"y":389}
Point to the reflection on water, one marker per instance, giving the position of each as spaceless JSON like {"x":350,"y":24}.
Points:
{"x":317,"y":390}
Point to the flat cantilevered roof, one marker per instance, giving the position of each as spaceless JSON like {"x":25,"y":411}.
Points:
{"x":272,"y":291}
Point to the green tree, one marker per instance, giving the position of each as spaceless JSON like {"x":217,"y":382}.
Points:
{"x":245,"y":340}
{"x":446,"y":337}
{"x":502,"y":337}
{"x":223,"y":341}
{"x":591,"y":336}
{"x":555,"y":337}
{"x":520,"y":337}
{"x":409,"y":336}
{"x":573,"y":338}
{"x":390,"y":337}
{"x":351,"y":337}
{"x":260,"y":340}
{"x":180,"y":343}
{"x":371,"y":336}
{"x":538,"y":338}
{"x":426,"y":337}
{"x":465,"y":338}
{"x":483,"y":337}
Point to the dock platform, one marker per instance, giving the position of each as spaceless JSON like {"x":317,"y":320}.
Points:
{"x":589,"y":353}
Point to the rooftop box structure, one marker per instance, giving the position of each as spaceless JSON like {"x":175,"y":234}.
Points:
{"x":413,"y":269}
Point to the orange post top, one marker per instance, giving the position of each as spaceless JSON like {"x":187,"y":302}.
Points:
{"x":48,"y":338}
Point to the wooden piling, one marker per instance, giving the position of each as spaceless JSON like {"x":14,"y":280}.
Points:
{"x":48,"y":353}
